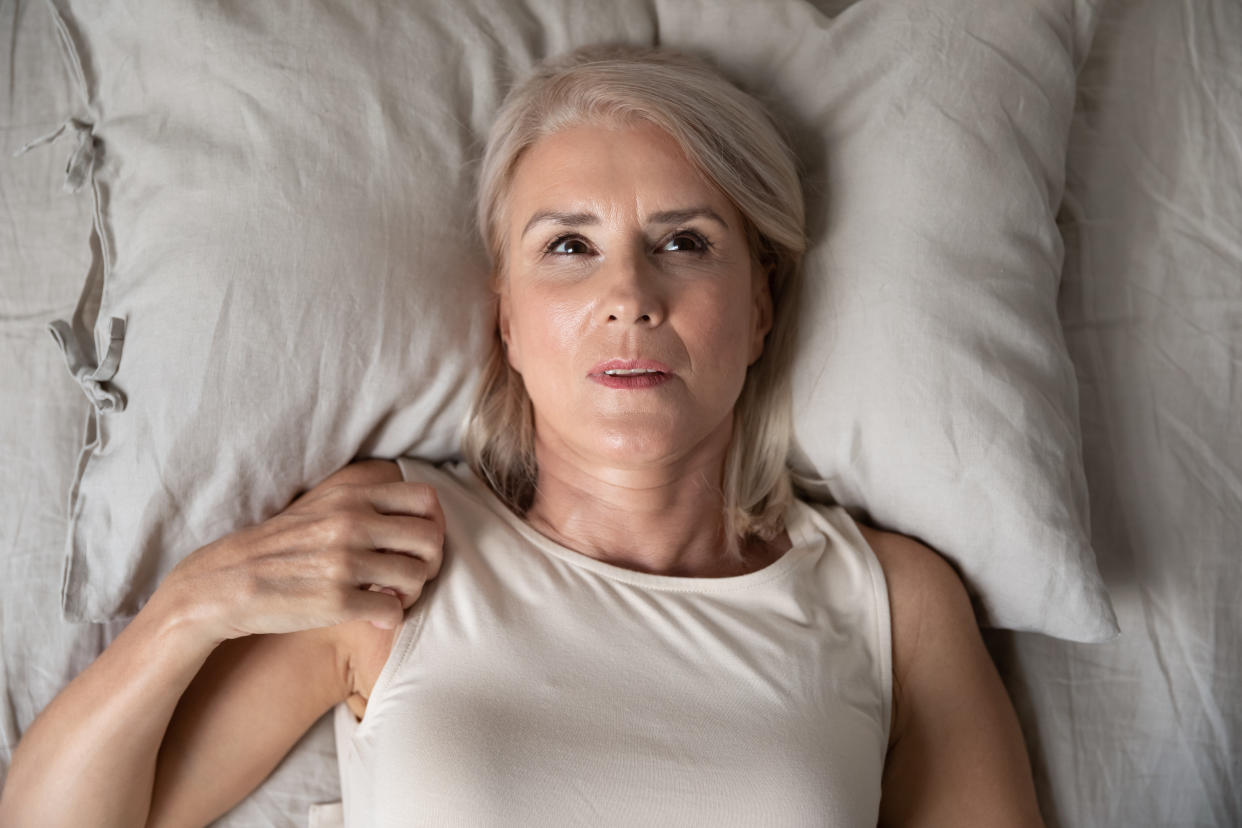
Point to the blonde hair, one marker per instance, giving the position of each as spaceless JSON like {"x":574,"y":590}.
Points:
{"x":731,"y":138}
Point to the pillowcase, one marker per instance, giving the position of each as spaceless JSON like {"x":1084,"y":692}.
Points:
{"x":287,"y":276}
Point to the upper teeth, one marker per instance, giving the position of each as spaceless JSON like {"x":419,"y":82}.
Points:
{"x":625,"y":372}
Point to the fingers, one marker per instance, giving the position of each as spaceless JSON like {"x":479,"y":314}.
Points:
{"x":415,"y":536}
{"x":380,"y":608}
{"x":390,"y":534}
{"x":404,"y":498}
{"x":406,"y":574}
{"x":409,"y":520}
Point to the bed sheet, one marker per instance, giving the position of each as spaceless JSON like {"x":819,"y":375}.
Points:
{"x":1142,"y":731}
{"x":1146,"y":730}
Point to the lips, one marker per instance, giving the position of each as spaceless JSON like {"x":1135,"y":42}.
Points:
{"x":630,"y":365}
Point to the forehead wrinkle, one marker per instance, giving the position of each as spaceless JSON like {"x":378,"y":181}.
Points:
{"x":585,"y":219}
{"x":573,"y":158}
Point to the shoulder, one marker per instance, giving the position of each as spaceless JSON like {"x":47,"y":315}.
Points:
{"x":921,"y":582}
{"x":956,"y":754}
{"x":923,"y":586}
{"x":931,"y":618}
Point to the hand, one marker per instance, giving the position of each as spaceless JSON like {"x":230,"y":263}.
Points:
{"x":340,"y":552}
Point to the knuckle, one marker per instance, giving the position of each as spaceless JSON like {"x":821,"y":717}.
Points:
{"x":321,"y":532}
{"x":341,"y":565}
{"x":325,"y":493}
{"x":339,"y":528}
{"x":339,"y":489}
{"x":418,"y":569}
{"x":409,"y":590}
{"x":427,"y":494}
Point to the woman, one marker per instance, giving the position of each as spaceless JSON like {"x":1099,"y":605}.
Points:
{"x":637,"y":621}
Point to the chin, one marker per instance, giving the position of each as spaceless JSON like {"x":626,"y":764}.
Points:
{"x":638,"y":447}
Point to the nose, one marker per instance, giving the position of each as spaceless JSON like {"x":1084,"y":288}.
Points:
{"x":633,"y":293}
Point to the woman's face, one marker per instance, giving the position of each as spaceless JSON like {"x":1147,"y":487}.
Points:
{"x":609,"y":277}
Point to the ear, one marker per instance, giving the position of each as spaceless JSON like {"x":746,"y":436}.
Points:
{"x":762,"y":303}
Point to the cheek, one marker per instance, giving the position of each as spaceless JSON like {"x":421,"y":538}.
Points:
{"x":722,"y":325}
{"x":730,"y":341}
{"x":548,"y":329}
{"x":560,"y":325}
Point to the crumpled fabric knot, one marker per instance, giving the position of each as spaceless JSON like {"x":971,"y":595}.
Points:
{"x":93,"y":378}
{"x":81,"y":161}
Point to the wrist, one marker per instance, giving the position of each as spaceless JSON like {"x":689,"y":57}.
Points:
{"x":182,"y":619}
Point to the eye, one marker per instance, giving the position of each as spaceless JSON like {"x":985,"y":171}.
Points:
{"x":567,"y":238}
{"x":702,"y":245}
{"x":698,"y":243}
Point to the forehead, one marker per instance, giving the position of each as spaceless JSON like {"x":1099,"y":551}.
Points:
{"x":608,"y":167}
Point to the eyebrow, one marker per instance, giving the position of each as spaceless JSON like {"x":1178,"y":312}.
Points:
{"x":663,"y":217}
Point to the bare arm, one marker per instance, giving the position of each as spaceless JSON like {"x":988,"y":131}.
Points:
{"x":956,"y":755}
{"x":233,"y":658}
{"x":245,"y":709}
{"x":92,"y":750}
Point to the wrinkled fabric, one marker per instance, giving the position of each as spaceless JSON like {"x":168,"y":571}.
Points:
{"x":93,"y":377}
{"x":1147,"y":730}
{"x":81,"y":161}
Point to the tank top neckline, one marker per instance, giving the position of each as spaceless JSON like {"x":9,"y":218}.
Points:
{"x":795,"y":525}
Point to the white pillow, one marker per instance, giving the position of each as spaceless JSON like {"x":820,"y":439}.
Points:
{"x":283,"y":195}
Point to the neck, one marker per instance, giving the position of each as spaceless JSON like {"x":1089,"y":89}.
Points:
{"x":664,"y":518}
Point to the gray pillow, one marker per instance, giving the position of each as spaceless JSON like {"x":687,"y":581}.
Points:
{"x":286,"y":276}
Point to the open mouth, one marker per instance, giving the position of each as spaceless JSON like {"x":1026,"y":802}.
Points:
{"x":646,"y":379}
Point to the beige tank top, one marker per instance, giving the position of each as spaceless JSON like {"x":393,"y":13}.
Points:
{"x":531,"y":684}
